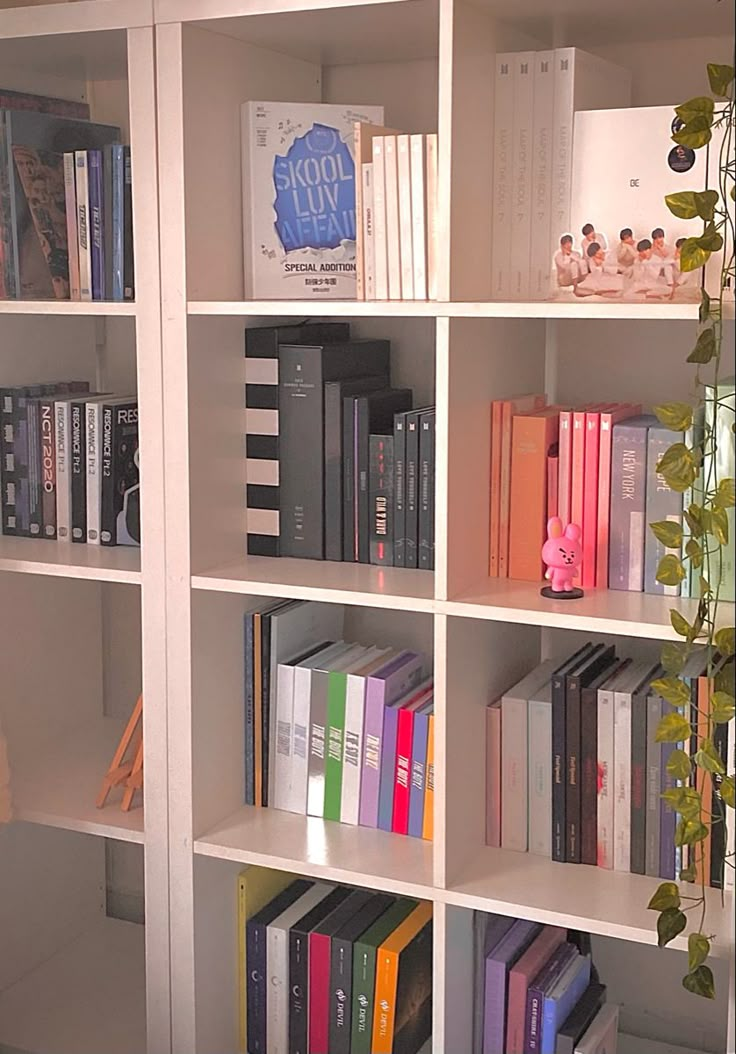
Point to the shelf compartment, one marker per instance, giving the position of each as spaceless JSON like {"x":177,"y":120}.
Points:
{"x":343,"y":583}
{"x":57,"y":783}
{"x":34,"y":556}
{"x":610,"y":903}
{"x":88,"y":997}
{"x":599,"y":611}
{"x":322,"y":849}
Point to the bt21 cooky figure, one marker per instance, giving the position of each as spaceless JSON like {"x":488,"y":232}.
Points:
{"x":562,"y":554}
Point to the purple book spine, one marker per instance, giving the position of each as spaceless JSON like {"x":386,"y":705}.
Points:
{"x":667,"y":818}
{"x":663,"y":503}
{"x":628,"y":491}
{"x":96,"y":223}
{"x":535,"y":995}
{"x":387,"y":684}
{"x":418,"y":774}
{"x":388,"y":768}
{"x":503,"y":956}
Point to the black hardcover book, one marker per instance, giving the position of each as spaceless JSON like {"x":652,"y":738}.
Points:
{"x":341,"y":970}
{"x":47,"y":464}
{"x":107,"y":216}
{"x":303,"y":371}
{"x":128,"y":268}
{"x":255,"y":952}
{"x":336,"y":392}
{"x":266,"y":722}
{"x":262,"y":423}
{"x":589,"y":765}
{"x":425,"y":512}
{"x":580,"y":1018}
{"x":119,"y":468}
{"x":380,"y":498}
{"x":413,"y":1016}
{"x":559,"y":738}
{"x":35,"y":492}
{"x":299,"y":968}
{"x":249,"y":796}
{"x":79,"y":471}
{"x":576,"y":680}
{"x":411,"y":490}
{"x":24,"y":447}
{"x":638,"y":859}
{"x":374,"y":415}
{"x":399,"y":490}
{"x":11,"y":400}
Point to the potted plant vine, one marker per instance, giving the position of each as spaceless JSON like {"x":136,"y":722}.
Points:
{"x":702,"y":544}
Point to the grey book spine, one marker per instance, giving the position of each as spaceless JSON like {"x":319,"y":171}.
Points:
{"x":399,"y":490}
{"x":663,"y":503}
{"x":411,"y":491}
{"x":425,"y":511}
{"x":628,"y":499}
{"x":35,"y":491}
{"x":8,"y":431}
{"x":639,"y":781}
{"x":107,"y":217}
{"x":381,"y":473}
{"x":654,"y":784}
{"x":301,"y":427}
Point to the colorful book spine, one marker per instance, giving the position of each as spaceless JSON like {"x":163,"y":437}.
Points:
{"x":493,"y":774}
{"x":94,"y":160}
{"x":353,"y":748}
{"x":428,"y":820}
{"x":118,"y":222}
{"x":577,"y":490}
{"x":533,"y":436}
{"x":336,"y":690}
{"x":419,"y":770}
{"x":84,"y":243}
{"x":387,"y":780}
{"x":564,"y":481}
{"x":495,"y":512}
{"x":559,"y":1002}
{"x":520,"y":977}
{"x":48,"y":472}
{"x":497,"y":965}
{"x":628,"y":491}
{"x":590,"y":498}
{"x":555,"y":966}
{"x":402,"y":772}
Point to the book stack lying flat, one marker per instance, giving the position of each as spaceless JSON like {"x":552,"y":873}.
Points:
{"x":574,"y":771}
{"x":536,"y":989}
{"x":66,"y":227}
{"x":331,"y":969}
{"x":338,"y":464}
{"x":336,"y":730}
{"x":70,"y":464}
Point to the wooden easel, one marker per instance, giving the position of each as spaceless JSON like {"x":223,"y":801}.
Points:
{"x":126,"y":767}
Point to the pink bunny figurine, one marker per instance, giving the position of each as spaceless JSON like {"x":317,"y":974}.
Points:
{"x":562,"y":553}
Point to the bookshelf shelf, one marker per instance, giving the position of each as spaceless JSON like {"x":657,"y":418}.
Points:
{"x":67,"y":308}
{"x":33,"y":556}
{"x":600,"y":611}
{"x":88,"y":997}
{"x":57,"y":780}
{"x":330,"y":851}
{"x":609,"y":903}
{"x":341,"y":583}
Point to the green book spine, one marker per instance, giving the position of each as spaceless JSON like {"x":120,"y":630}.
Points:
{"x":364,"y":973}
{"x":336,"y":691}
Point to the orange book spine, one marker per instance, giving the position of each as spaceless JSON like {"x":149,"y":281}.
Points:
{"x":428,"y":819}
{"x":387,"y":977}
{"x":519,"y":405}
{"x":703,"y":782}
{"x":532,"y":438}
{"x":495,"y":485}
{"x":257,"y":711}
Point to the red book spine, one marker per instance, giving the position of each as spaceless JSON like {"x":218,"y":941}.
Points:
{"x":590,"y":499}
{"x":578,"y":468}
{"x":565,"y":467}
{"x":404,"y":735}
{"x":319,"y":993}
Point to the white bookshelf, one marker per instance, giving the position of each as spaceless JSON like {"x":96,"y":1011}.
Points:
{"x":101,"y":624}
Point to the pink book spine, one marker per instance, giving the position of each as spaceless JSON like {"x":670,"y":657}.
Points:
{"x":526,"y":969}
{"x":495,"y":485}
{"x":590,"y":499}
{"x":565,"y":466}
{"x":578,"y":467}
{"x":605,"y":446}
{"x":553,"y":497}
{"x":493,"y":774}
{"x":402,"y":775}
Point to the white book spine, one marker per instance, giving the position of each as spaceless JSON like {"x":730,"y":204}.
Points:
{"x":369,"y":249}
{"x":93,"y":421}
{"x":393,"y":236}
{"x":622,"y":782}
{"x":418,"y":216}
{"x":300,"y":740}
{"x":605,"y":778}
{"x":352,"y":748}
{"x":521,"y":174}
{"x":63,"y":475}
{"x":277,"y":1001}
{"x":406,"y":232}
{"x":246,"y":138}
{"x":379,"y":218}
{"x":564,"y":114}
{"x":503,"y":130}
{"x":83,"y":239}
{"x":540,"y":255}
{"x":70,"y":199}
{"x":281,"y":795}
{"x":432,"y":235}
{"x":317,"y":743}
{"x":540,"y":777}
{"x":514,"y":778}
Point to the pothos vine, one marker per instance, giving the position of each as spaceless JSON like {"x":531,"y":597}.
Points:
{"x":703,"y":540}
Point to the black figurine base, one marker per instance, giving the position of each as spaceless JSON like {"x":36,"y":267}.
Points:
{"x":564,"y":594}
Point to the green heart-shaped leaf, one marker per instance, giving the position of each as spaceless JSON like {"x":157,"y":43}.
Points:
{"x":675,"y":691}
{"x":705,"y":348}
{"x":682,"y":204}
{"x":725,"y":496}
{"x":672,"y":728}
{"x":727,"y":791}
{"x":666,"y":896}
{"x":676,"y":416}
{"x":670,"y":571}
{"x":679,"y":765}
{"x":692,"y":256}
{"x":690,"y":831}
{"x":725,"y":640}
{"x":673,"y":657}
{"x":719,"y":77}
{"x":695,"y":133}
{"x":708,"y":758}
{"x":700,"y":982}
{"x":669,"y":924}
{"x":668,"y":533}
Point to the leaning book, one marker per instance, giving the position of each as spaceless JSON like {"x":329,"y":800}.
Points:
{"x":299,"y":180}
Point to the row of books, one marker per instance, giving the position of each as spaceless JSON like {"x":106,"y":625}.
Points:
{"x":338,"y":464}
{"x":330,"y":969}
{"x":537,"y":990}
{"x":65,"y":203}
{"x":396,"y":214}
{"x":69,"y":464}
{"x":596,"y":467}
{"x":574,"y":771}
{"x":332,"y":729}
